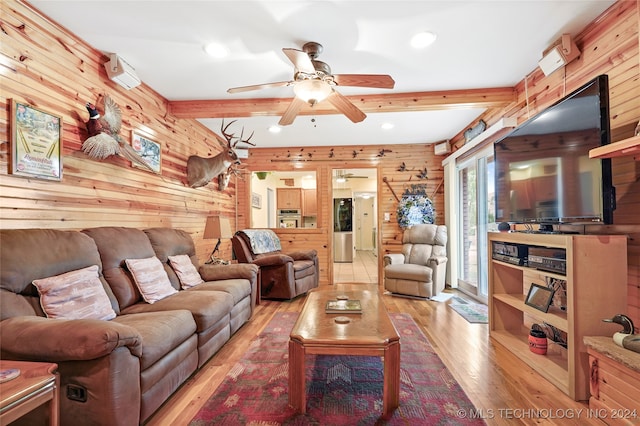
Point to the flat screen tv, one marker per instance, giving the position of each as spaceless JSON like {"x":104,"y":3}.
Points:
{"x":543,"y":173}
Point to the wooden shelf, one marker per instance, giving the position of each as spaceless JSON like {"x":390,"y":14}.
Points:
{"x":556,"y":318}
{"x":551,"y":367}
{"x":591,"y":261}
{"x":630,"y":146}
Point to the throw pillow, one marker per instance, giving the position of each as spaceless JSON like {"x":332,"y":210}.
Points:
{"x":75,"y":295}
{"x":185,"y":270}
{"x":151,"y":279}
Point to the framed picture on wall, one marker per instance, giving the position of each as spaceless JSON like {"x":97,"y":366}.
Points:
{"x":36,"y":142}
{"x":149,"y":150}
{"x":256,"y":200}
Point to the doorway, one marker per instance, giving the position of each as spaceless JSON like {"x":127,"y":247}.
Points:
{"x":356,"y":188}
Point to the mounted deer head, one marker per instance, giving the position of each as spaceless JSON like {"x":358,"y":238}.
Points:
{"x":201,"y":170}
{"x":224,"y":178}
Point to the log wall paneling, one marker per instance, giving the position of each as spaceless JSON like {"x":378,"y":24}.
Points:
{"x":610,"y":45}
{"x":46,"y":66}
{"x":49,"y":68}
{"x":323,"y":160}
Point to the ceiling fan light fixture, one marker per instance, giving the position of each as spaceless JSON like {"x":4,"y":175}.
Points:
{"x":423,"y":39}
{"x":341,"y":179}
{"x":312,"y":91}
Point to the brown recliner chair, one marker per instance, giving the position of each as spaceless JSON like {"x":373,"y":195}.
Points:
{"x":282,"y":275}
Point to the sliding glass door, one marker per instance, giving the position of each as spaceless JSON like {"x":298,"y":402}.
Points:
{"x":476,"y":217}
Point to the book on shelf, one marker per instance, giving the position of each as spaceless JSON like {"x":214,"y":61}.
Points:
{"x":343,"y":307}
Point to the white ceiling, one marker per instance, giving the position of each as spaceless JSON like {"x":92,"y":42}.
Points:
{"x":480,"y":44}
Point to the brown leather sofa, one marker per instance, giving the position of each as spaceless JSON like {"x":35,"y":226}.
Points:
{"x":118,"y":371}
{"x":282,"y":275}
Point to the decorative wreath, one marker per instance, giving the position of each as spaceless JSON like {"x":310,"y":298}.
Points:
{"x":415,"y":207}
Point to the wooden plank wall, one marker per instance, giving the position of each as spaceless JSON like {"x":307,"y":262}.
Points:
{"x":610,"y":45}
{"x":49,"y":68}
{"x":44,"y":65}
{"x":323,"y":160}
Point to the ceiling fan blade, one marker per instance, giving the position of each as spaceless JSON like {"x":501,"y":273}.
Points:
{"x":291,"y":112}
{"x":345,"y":106}
{"x":381,"y":81}
{"x":300,"y":60}
{"x":259,"y":86}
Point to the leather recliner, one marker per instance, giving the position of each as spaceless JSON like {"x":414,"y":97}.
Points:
{"x":421,"y":267}
{"x":282,"y":275}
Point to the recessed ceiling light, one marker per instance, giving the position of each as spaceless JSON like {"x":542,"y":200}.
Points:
{"x":387,"y":126}
{"x":216,"y":50}
{"x":423,"y":39}
{"x":275,"y":129}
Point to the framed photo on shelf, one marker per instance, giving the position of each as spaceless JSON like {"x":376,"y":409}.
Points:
{"x":36,"y":142}
{"x":539,"y":297}
{"x":149,"y":150}
{"x":256,"y":200}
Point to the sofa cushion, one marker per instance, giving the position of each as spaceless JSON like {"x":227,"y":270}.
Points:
{"x":151,"y":278}
{"x":115,"y":244}
{"x":409,"y":271}
{"x":160,"y":332}
{"x":75,"y":295}
{"x":185,"y":270}
{"x":28,"y":254}
{"x":238,"y":288}
{"x":304,"y":268}
{"x":171,"y":242}
{"x":207,"y":307}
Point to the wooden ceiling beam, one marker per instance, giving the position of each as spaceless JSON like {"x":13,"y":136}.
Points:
{"x":395,"y":102}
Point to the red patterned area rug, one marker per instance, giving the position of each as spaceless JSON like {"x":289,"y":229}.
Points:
{"x":341,"y":390}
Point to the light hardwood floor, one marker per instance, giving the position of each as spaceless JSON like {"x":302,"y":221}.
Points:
{"x":504,"y":389}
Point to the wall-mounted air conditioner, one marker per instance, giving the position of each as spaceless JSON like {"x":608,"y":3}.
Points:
{"x":121,"y":72}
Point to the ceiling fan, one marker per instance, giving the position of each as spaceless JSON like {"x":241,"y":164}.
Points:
{"x":341,"y":176}
{"x":313,"y":82}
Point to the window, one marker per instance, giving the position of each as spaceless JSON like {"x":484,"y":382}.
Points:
{"x":476,"y":207}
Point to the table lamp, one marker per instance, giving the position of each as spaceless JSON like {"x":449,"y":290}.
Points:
{"x":217,"y":227}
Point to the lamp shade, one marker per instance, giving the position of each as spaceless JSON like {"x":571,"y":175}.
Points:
{"x":312,"y":91}
{"x":217,"y":227}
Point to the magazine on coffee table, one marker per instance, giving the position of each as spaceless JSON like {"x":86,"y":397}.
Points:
{"x":343,"y":307}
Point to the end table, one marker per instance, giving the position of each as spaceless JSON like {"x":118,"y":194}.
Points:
{"x":37,"y":384}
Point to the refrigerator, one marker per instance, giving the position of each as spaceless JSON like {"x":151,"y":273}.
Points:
{"x":343,"y":230}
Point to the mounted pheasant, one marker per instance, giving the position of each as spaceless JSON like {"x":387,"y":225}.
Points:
{"x":201,"y":170}
{"x":104,"y":139}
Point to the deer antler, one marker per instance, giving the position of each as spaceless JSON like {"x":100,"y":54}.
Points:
{"x":231,"y":136}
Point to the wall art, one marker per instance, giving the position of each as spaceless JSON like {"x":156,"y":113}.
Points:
{"x":150,"y":151}
{"x":256,"y":200}
{"x":36,"y":142}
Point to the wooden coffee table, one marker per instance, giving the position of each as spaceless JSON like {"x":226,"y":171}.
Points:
{"x":369,"y":333}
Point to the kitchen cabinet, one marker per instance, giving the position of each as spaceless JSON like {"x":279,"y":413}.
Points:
{"x":288,"y":198}
{"x":309,"y":202}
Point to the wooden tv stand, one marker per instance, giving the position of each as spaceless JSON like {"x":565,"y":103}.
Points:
{"x":596,"y":286}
